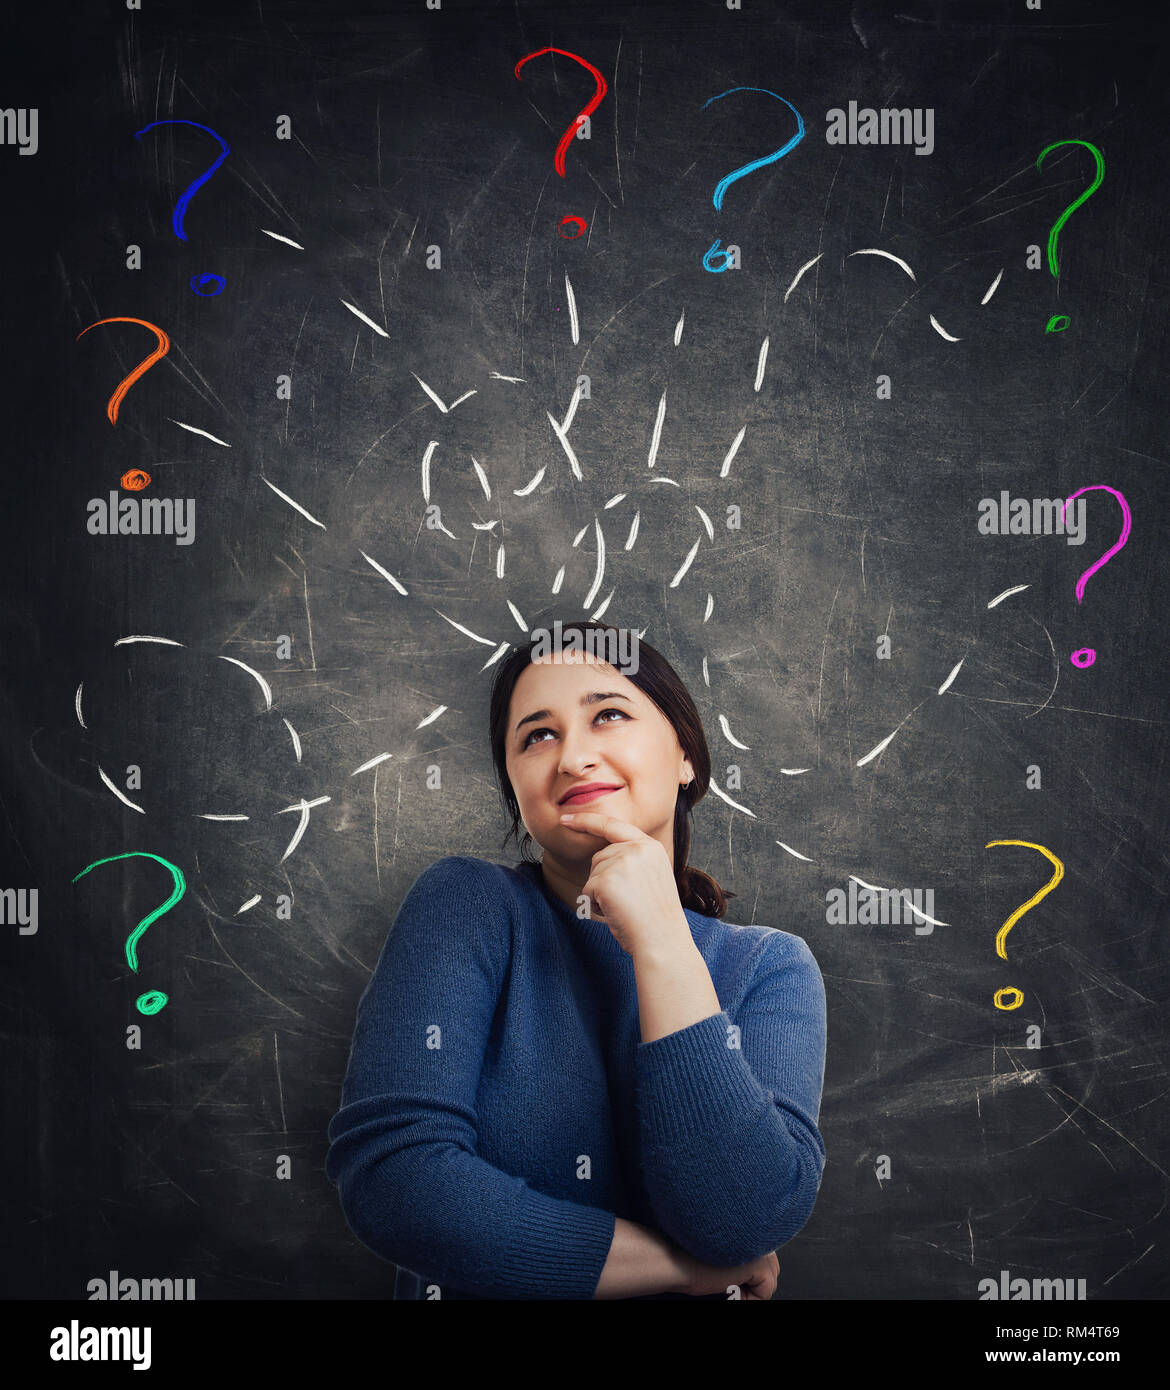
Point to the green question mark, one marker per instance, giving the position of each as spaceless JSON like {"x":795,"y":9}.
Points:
{"x":153,"y":1000}
{"x":1059,"y":322}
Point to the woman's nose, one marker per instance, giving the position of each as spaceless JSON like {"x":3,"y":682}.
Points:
{"x":577,"y":751}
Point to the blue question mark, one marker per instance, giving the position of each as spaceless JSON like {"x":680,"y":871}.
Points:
{"x":207,"y":278}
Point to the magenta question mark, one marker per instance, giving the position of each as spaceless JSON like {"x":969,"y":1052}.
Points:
{"x":1085,"y":656}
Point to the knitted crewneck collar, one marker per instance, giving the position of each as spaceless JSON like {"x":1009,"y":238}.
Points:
{"x":591,"y":929}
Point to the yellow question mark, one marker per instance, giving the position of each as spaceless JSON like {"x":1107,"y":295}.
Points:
{"x":1001,"y":935}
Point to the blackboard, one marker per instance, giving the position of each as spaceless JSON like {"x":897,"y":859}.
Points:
{"x":817,"y":424}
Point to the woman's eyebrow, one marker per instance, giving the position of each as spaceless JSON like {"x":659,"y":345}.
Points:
{"x":593,"y":698}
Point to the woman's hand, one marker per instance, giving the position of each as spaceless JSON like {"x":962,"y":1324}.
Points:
{"x":756,"y":1279}
{"x":631,"y":883}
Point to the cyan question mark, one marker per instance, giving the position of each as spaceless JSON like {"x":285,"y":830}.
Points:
{"x":207,"y":278}
{"x":1059,"y":322}
{"x":153,"y":1000}
{"x":725,"y":183}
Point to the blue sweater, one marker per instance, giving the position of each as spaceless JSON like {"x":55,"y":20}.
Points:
{"x":500,"y":1109}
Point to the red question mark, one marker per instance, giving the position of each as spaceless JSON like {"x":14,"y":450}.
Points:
{"x":586,"y":110}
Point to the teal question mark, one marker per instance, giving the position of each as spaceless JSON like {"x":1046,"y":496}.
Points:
{"x":153,"y":1000}
{"x":725,"y":183}
{"x":1059,"y":322}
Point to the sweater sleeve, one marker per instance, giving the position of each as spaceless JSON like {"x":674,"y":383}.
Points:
{"x":403,"y":1144}
{"x":731,"y":1154}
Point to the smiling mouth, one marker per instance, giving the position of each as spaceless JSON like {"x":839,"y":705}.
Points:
{"x":582,"y":797}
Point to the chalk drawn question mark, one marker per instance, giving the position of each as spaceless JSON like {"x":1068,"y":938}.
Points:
{"x":207,"y":278}
{"x":1059,"y":322}
{"x":728,"y":179}
{"x":115,"y":401}
{"x":153,"y":1000}
{"x":1085,"y":656}
{"x":586,"y":111}
{"x":1002,"y":934}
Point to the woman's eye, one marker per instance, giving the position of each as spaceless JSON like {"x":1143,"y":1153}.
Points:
{"x":619,"y":712}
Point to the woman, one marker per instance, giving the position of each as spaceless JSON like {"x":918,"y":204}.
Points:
{"x":569,"y":1078}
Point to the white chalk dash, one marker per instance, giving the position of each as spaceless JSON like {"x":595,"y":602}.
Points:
{"x":444,"y":408}
{"x":430,"y":718}
{"x":77,"y":707}
{"x":706,"y":522}
{"x":426,"y":469}
{"x":296,"y":739}
{"x":365,"y":767}
{"x":215,"y":439}
{"x":209,"y":817}
{"x":938,"y":328}
{"x":499,"y":376}
{"x":678,"y":328}
{"x":568,"y":448}
{"x":992,"y":290}
{"x":304,"y":807}
{"x":516,"y":613}
{"x":365,"y":318}
{"x":466,"y":631}
{"x":162,"y":641}
{"x":613,"y":501}
{"x":529,"y":486}
{"x":593,"y":588}
{"x":686,"y":564}
{"x":731,"y":453}
{"x":728,"y":735}
{"x":572,"y":299}
{"x":795,"y":854}
{"x":761,"y":363}
{"x":484,"y":525}
{"x":719,"y":792}
{"x":482,"y":476}
{"x":383,"y":572}
{"x":946,"y":685}
{"x":794,"y":771}
{"x":707,"y":613}
{"x":291,"y":503}
{"x":889,"y":255}
{"x":1007,"y":593}
{"x":288,"y":241}
{"x":633,"y":536}
{"x":256,"y":676}
{"x":808,"y":265}
{"x":495,"y":656}
{"x":119,"y":794}
{"x":247,"y":907}
{"x":657,"y":436}
{"x":873,"y":752}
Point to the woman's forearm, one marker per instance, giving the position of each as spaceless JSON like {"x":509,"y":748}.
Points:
{"x":674,"y":987}
{"x":640,"y":1261}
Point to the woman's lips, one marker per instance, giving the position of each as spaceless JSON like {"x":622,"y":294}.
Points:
{"x":582,"y":797}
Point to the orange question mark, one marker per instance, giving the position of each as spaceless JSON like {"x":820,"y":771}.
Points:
{"x":164,"y":344}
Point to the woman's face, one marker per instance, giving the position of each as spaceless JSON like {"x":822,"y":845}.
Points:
{"x":622,"y":739}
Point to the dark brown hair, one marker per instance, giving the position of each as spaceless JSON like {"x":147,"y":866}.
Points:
{"x":657,"y":680}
